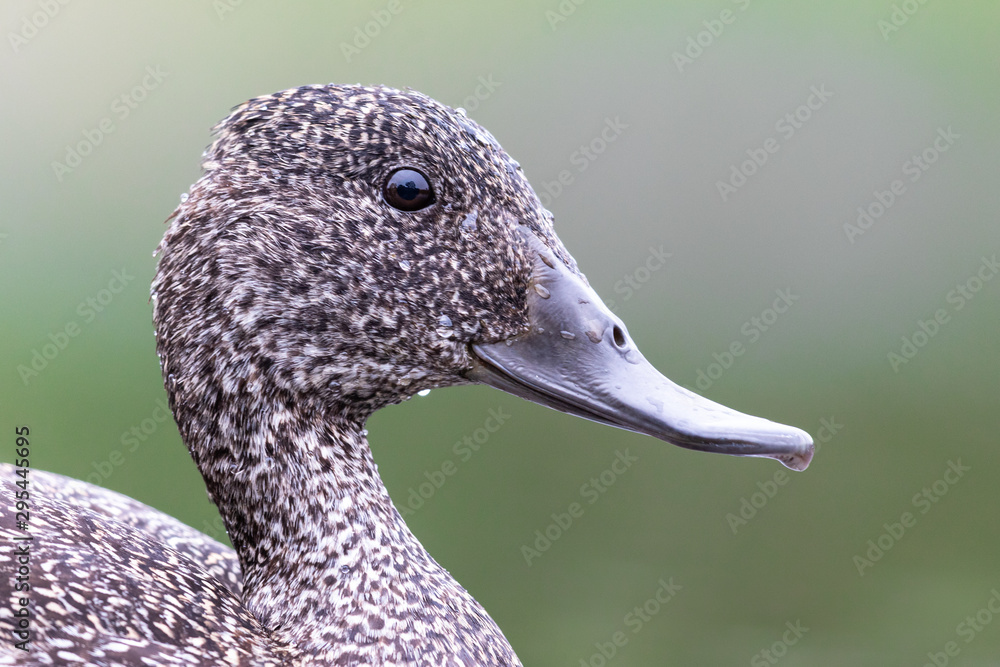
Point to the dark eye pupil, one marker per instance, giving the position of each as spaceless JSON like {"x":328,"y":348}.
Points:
{"x":408,"y":190}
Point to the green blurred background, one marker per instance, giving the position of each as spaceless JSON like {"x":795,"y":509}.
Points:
{"x":552,"y":86}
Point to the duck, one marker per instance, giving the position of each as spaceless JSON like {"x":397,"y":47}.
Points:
{"x":345,"y":248}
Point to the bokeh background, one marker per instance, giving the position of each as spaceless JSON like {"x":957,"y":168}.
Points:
{"x":546,"y":78}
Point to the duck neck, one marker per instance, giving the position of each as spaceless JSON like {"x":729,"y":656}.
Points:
{"x":328,"y":564}
{"x":304,"y":507}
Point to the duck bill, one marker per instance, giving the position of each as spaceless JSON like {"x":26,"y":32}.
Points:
{"x":578,"y":358}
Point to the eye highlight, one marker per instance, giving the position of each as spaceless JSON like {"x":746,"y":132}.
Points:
{"x":408,"y":190}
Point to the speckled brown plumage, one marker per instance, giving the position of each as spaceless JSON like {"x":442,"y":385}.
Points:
{"x":115,"y":582}
{"x":290,"y":302}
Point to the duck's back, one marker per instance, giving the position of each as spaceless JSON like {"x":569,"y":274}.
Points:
{"x":115,"y":582}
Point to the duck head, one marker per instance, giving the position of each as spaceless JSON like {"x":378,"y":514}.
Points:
{"x":359,"y":244}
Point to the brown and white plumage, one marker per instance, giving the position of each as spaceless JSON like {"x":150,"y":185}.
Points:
{"x":283,"y":320}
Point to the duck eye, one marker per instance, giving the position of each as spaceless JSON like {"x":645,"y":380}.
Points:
{"x":408,"y":190}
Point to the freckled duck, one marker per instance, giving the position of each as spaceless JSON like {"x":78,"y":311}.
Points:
{"x":345,"y":248}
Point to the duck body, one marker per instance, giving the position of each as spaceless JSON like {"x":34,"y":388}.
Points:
{"x":151,"y":589}
{"x":346,"y":248}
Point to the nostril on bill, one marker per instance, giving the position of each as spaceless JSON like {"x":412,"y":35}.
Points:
{"x":619,"y":337}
